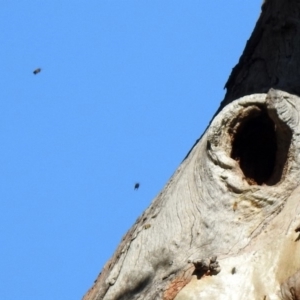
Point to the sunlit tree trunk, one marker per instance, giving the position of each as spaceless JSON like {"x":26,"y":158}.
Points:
{"x":226,"y":224}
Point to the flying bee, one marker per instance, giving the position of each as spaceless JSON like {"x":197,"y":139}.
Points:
{"x":136,"y":186}
{"x":36,"y":71}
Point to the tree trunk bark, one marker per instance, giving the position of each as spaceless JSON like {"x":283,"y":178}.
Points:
{"x":226,"y":224}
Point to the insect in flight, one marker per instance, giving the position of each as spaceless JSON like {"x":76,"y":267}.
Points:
{"x":36,"y":71}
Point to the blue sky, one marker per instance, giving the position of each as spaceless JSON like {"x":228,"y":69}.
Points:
{"x":126,"y":88}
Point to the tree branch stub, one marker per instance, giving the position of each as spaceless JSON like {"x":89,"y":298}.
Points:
{"x":212,"y":206}
{"x":236,"y":194}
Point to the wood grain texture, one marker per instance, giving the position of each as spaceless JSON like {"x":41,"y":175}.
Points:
{"x":236,"y":194}
{"x":209,"y":208}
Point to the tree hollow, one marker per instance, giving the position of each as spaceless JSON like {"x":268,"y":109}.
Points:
{"x":255,"y":146}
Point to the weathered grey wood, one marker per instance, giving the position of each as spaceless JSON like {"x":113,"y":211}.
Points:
{"x":224,"y":225}
{"x":210,"y":208}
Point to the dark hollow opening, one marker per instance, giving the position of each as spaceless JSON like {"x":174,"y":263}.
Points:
{"x":254,"y":146}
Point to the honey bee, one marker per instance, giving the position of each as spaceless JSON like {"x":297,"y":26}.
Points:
{"x":36,"y":71}
{"x":146,"y":226}
{"x":234,"y":207}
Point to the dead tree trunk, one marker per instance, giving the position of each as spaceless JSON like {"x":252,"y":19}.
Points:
{"x":226,"y":224}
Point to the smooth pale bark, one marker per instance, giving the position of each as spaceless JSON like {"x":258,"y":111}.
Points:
{"x":224,"y":225}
